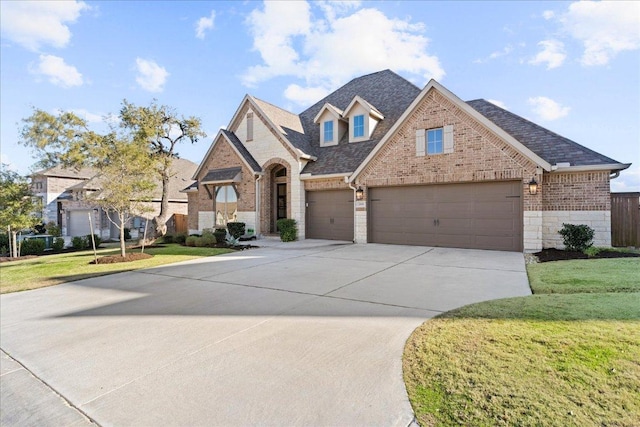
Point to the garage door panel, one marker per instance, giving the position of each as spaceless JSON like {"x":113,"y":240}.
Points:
{"x":481,"y":215}
{"x":329,"y":215}
{"x":79,"y":223}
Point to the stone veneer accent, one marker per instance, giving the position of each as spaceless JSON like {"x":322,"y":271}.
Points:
{"x":552,"y":221}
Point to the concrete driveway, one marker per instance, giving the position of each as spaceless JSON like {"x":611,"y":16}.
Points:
{"x":308,"y":333}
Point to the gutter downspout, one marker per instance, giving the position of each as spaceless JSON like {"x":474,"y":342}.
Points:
{"x":614,"y":175}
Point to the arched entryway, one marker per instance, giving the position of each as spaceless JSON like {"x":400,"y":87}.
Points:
{"x":276,"y":195}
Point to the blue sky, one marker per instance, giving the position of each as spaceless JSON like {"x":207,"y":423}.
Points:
{"x":573,"y":67}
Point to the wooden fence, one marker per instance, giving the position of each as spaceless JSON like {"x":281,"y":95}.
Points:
{"x":177,"y":224}
{"x":625,"y":219}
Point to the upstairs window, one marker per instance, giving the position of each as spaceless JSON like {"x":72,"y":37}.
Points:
{"x":434,"y":141}
{"x":358,"y":126}
{"x":328,"y":131}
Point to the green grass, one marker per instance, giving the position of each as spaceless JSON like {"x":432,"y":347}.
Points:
{"x":569,"y":359}
{"x":55,"y":269}
{"x":597,"y":275}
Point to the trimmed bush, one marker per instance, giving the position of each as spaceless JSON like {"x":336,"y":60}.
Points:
{"x":220,"y":234}
{"x":32,"y":247}
{"x":78,"y":243}
{"x":288,"y":229}
{"x":58,"y":244}
{"x":96,"y":238}
{"x":191,"y":240}
{"x":236,"y":229}
{"x":577,"y":237}
{"x":53,"y":229}
{"x":201,"y":242}
{"x":167,"y":238}
{"x":180,"y":238}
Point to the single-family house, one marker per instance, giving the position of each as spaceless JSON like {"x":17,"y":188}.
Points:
{"x":64,"y":192}
{"x":380,"y":160}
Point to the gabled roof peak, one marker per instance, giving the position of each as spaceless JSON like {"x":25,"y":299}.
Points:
{"x":371,"y":109}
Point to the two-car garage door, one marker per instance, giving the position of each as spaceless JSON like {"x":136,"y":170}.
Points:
{"x":478,"y":216}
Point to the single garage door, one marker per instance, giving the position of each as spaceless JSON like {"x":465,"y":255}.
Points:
{"x":79,"y":223}
{"x":476,"y":216}
{"x":329,"y":215}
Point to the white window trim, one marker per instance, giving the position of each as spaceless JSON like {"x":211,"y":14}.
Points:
{"x":334,"y":141}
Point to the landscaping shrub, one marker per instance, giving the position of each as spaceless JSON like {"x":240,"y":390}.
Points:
{"x":288,"y":229}
{"x":236,"y":229}
{"x":208,"y":238}
{"x":577,"y":237}
{"x":96,"y":238}
{"x":53,"y":229}
{"x":201,"y":242}
{"x":191,"y":240}
{"x":167,"y":238}
{"x":180,"y":238}
{"x":32,"y":247}
{"x":78,"y":243}
{"x":220,"y":234}
{"x":58,"y":244}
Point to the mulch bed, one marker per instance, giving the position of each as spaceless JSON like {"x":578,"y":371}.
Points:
{"x":112,"y":259}
{"x":559,"y":255}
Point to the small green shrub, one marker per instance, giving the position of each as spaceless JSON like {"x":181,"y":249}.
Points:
{"x":32,"y":247}
{"x":236,"y":229}
{"x":127,"y":233}
{"x":220,"y":234}
{"x":58,"y":244}
{"x":288,"y":229}
{"x":201,"y":242}
{"x":96,"y":238}
{"x":180,"y":238}
{"x":592,"y":251}
{"x":191,"y":240}
{"x":576,"y":237}
{"x":53,"y":229}
{"x":78,"y":243}
{"x":208,"y":238}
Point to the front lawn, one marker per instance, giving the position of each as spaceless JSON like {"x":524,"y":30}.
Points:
{"x":567,"y":359}
{"x":55,"y":269}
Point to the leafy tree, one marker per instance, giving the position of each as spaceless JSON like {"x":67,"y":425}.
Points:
{"x":124,"y":167}
{"x":18,"y":207}
{"x":162,"y":129}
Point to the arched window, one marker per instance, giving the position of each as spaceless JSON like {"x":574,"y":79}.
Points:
{"x":226,"y":204}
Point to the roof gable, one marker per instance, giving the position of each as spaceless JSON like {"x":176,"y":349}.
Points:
{"x":373,"y":111}
{"x":334,"y":111}
{"x":236,"y":145}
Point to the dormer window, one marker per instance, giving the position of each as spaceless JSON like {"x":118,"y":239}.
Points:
{"x":358,"y":126}
{"x":328,"y":132}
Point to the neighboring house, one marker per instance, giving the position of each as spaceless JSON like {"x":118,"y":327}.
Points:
{"x":380,"y":160}
{"x":65,"y":190}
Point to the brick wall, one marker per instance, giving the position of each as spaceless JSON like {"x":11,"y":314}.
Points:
{"x":193,"y":209}
{"x":325,"y":184}
{"x":586,"y":191}
{"x":478,"y":155}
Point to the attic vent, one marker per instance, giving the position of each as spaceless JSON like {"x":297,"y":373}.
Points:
{"x":249,"y":126}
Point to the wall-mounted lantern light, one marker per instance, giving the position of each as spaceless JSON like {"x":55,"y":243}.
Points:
{"x":359,"y":194}
{"x":533,"y":186}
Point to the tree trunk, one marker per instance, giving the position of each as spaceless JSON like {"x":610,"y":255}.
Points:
{"x":14,"y":244}
{"x":161,"y":220}
{"x":122,"y":242}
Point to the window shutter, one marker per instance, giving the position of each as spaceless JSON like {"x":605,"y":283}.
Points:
{"x":420,"y":142}
{"x":448,"y":139}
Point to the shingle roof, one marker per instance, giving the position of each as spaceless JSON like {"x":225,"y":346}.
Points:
{"x":61,"y":172}
{"x":219,"y":175}
{"x":242,"y":150}
{"x":548,"y":145}
{"x":387,"y":91}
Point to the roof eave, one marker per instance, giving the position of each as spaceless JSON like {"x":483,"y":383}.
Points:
{"x":588,"y":168}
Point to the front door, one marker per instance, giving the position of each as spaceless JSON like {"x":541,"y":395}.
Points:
{"x":281,"y":202}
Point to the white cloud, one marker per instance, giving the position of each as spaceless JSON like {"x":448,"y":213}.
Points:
{"x":494,"y":55}
{"x":305,"y":95}
{"x":151,"y":76}
{"x":327,"y":51}
{"x":498,"y":103}
{"x":548,"y":14}
{"x":547,"y":109}
{"x":552,"y":54}
{"x":205,"y":23}
{"x":605,"y":28}
{"x":88,"y":116}
{"x":57,"y":71}
{"x":32,"y":24}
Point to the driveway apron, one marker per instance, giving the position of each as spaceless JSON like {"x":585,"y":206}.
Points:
{"x":310,"y":333}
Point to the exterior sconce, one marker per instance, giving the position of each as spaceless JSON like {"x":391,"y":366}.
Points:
{"x":359,"y":194}
{"x":533,"y":187}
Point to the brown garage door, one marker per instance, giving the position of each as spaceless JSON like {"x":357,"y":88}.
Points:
{"x":478,"y":216}
{"x":329,"y":215}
